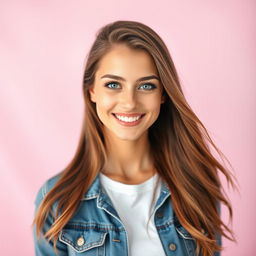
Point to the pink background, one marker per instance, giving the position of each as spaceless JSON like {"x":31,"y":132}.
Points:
{"x":43,"y":46}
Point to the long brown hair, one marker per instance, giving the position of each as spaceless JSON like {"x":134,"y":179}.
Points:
{"x":182,"y":155}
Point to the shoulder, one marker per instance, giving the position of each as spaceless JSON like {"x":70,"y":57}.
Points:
{"x":46,"y":187}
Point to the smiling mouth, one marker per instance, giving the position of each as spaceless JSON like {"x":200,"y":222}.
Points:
{"x":129,"y":120}
{"x":124,"y":116}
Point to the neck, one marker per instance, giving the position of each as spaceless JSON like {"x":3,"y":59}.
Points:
{"x":129,"y":159}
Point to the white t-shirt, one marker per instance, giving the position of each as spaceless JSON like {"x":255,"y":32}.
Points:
{"x":133,"y":205}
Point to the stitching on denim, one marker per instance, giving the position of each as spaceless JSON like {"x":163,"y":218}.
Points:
{"x":91,"y":225}
{"x":165,"y":225}
{"x":88,"y":197}
{"x":104,"y":250}
{"x":184,"y":235}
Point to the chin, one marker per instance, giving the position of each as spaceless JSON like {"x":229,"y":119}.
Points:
{"x":129,"y":137}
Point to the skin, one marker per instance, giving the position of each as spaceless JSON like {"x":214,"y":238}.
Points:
{"x":129,"y":153}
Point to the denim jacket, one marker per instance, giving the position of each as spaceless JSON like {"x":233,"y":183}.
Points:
{"x":97,"y":230}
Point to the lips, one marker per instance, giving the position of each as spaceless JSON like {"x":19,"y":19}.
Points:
{"x":129,"y":115}
{"x":129,"y":124}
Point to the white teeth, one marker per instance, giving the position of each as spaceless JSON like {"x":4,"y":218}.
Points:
{"x":127,"y":119}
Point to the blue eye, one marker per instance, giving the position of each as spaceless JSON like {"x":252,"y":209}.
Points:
{"x":107,"y":85}
{"x":152,"y":86}
{"x":149,"y":86}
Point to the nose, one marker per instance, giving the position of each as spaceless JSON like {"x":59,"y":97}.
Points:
{"x":128,"y":99}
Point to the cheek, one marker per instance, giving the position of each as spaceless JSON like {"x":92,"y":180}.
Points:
{"x":153,"y":103}
{"x":106,"y":103}
{"x":154,"y":107}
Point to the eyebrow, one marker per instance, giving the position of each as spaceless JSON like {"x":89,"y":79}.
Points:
{"x":138,"y":80}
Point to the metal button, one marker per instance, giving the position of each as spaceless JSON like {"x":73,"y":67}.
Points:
{"x":159,"y":215}
{"x":80,"y":241}
{"x":172,"y":247}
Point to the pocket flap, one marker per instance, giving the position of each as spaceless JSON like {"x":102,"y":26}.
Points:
{"x":82,"y":240}
{"x":184,"y":233}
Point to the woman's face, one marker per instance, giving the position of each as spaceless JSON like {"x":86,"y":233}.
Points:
{"x":125,"y":94}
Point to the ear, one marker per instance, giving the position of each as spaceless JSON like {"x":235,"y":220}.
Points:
{"x":92,"y":94}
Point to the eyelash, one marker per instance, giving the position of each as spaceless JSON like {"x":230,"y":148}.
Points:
{"x":152,"y":85}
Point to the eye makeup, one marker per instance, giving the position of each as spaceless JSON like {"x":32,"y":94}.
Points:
{"x":152,"y":86}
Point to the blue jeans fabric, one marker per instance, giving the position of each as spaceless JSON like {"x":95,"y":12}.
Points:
{"x":97,"y":230}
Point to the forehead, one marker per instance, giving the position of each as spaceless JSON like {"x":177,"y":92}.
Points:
{"x":124,"y":61}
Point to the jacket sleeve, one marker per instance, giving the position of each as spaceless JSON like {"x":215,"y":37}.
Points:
{"x":41,"y":245}
{"x":218,"y":236}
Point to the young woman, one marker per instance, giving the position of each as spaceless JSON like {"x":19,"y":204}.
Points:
{"x":143,"y":180}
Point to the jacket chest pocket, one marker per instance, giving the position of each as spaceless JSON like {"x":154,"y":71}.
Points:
{"x":89,"y":242}
{"x":189,"y":243}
